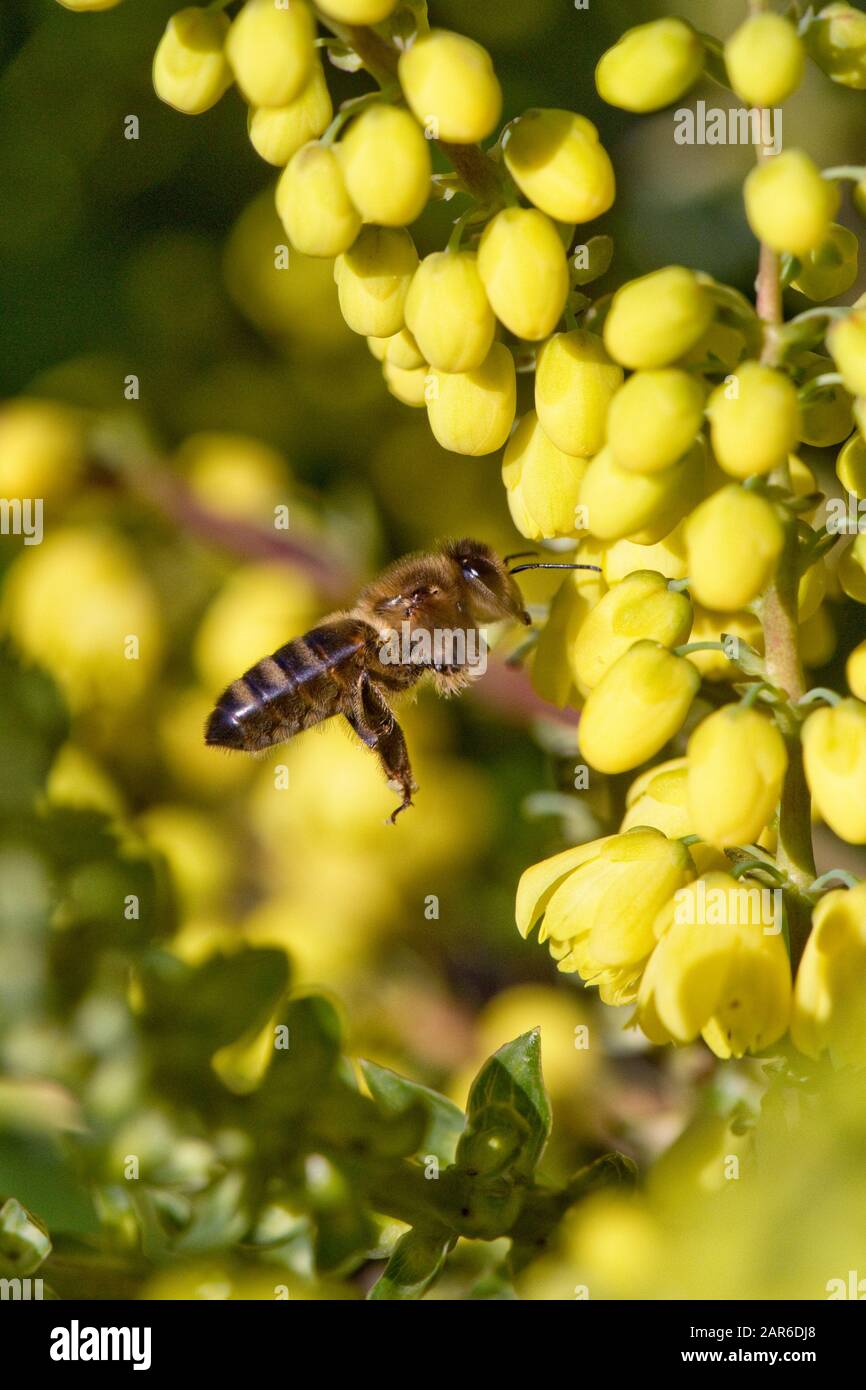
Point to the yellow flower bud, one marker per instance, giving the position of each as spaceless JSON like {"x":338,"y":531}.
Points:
{"x":851,"y":466}
{"x":642,"y":606}
{"x":234,"y":475}
{"x":449,"y":82}
{"x":87,"y":6}
{"x":278,"y":132}
{"x":851,"y":570}
{"x":190,"y":71}
{"x":811,"y":591}
{"x":41,"y":448}
{"x":448,"y":313}
{"x":599,"y":906}
{"x":736,"y":765}
{"x":580,"y":590}
{"x":765,"y":60}
{"x":654,"y":418}
{"x":402,"y":351}
{"x":828,"y":994}
{"x":722,"y":345}
{"x":668,"y":556}
{"x":640,"y":505}
{"x":386,"y":164}
{"x":522,"y":265}
{"x":556,"y":160}
{"x":575,"y":381}
{"x":72,"y":604}
{"x":650,"y":66}
{"x":834,"y":753}
{"x":817,"y":638}
{"x":659,"y":798}
{"x":846,"y":340}
{"x":836,"y":40}
{"x":472,"y":412}
{"x":855,"y":671}
{"x":542,"y":483}
{"x":357,"y":11}
{"x":734,"y":540}
{"x":831,"y":268}
{"x":638,"y":705}
{"x":825,"y":418}
{"x":314,"y":206}
{"x":271,"y":50}
{"x":754,"y":420}
{"x":373,"y":279}
{"x":720,"y":969}
{"x":788,"y":204}
{"x":408,"y":384}
{"x":655,"y":319}
{"x":712,"y":627}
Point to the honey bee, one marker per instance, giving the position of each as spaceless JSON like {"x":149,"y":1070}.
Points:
{"x":420,"y":618}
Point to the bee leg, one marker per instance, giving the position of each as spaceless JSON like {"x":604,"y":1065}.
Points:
{"x":376,"y":726}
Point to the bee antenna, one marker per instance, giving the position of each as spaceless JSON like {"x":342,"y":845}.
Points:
{"x":547,"y":565}
{"x":518,"y":555}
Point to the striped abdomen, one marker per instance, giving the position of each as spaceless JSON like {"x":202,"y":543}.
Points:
{"x":301,"y":684}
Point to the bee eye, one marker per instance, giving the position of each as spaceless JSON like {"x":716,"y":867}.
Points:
{"x":469,"y":572}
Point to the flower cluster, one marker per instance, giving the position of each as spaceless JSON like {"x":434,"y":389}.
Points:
{"x":682,"y":408}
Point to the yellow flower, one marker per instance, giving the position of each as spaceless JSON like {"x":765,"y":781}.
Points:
{"x":373,"y":279}
{"x":314,"y":205}
{"x":521,"y":261}
{"x":552,"y":675}
{"x":830,"y":990}
{"x":449,"y":82}
{"x":818,"y":638}
{"x":599,"y":902}
{"x":85,"y":6}
{"x":271,"y":50}
{"x":357,"y":11}
{"x":386,"y":164}
{"x":828,"y":417}
{"x":754,"y":420}
{"x":650,"y":66}
{"x":850,"y":465}
{"x":655,"y":319}
{"x":640,"y":703}
{"x":668,"y":556}
{"x":836,"y":40}
{"x":448,"y":312}
{"x":734,"y":540}
{"x":736,"y":765}
{"x":788,"y":204}
{"x":644,"y":506}
{"x":79,"y":606}
{"x":278,"y":132}
{"x":831,"y":268}
{"x":765,"y":60}
{"x":542,"y":483}
{"x":834,"y":752}
{"x":641,"y":606}
{"x":400,"y":350}
{"x":720,"y":969}
{"x":556,"y":160}
{"x":41,"y":448}
{"x":472,"y":412}
{"x":855,"y":671}
{"x":846,"y":340}
{"x":235,"y":475}
{"x":407,"y":384}
{"x":654,"y":418}
{"x":190,"y":70}
{"x":710,"y":626}
{"x":659,"y":798}
{"x":575,"y":381}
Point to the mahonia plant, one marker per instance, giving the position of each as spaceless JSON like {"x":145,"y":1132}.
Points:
{"x":662,"y":445}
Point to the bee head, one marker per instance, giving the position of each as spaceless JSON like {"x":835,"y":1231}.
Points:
{"x":491,"y":592}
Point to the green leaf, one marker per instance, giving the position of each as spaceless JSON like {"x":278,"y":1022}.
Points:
{"x":395,"y":1093}
{"x":417,"y":1259}
{"x":508,"y":1112}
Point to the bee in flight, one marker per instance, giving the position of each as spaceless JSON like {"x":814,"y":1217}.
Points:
{"x":420,"y":617}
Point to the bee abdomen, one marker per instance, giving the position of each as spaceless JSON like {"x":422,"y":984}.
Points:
{"x":299,"y":685}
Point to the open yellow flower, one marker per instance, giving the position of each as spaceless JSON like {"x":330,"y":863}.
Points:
{"x":830,"y":992}
{"x":720,"y":969}
{"x":599,"y":902}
